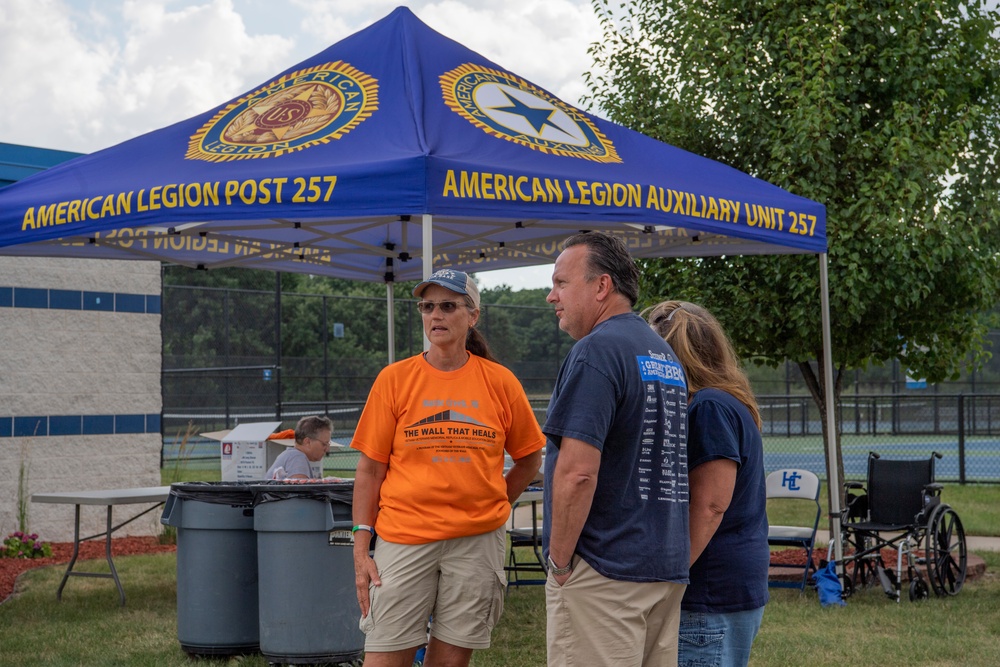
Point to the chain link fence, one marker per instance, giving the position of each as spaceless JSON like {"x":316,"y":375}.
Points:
{"x":965,"y":429}
{"x":235,"y":355}
{"x":238,"y":355}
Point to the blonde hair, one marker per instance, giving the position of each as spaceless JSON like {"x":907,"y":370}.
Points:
{"x":704,"y":350}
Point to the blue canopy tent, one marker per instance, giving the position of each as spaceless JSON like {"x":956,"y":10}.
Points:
{"x":321,"y":168}
{"x":396,"y":145}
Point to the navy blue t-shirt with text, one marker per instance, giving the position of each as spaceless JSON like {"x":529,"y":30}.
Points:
{"x":731,"y":573}
{"x":622,"y":390}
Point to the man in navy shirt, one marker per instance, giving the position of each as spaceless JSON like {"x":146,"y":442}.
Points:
{"x":616,"y":487}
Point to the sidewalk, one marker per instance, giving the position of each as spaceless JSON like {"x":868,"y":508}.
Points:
{"x":972,"y":542}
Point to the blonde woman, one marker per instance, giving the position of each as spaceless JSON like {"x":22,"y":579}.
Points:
{"x":724,"y":602}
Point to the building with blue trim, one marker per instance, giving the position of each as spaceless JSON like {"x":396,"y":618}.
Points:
{"x":80,"y":360}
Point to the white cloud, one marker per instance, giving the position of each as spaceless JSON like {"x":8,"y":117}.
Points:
{"x":544,"y":41}
{"x":180,"y":63}
{"x":82,"y":75}
{"x":65,"y":91}
{"x":51,"y":78}
{"x":329,"y":21}
{"x":525,"y":277}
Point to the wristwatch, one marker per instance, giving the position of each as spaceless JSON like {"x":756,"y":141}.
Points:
{"x":560,"y":571}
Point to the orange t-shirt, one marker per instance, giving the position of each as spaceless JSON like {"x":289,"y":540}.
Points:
{"x":443,"y":435}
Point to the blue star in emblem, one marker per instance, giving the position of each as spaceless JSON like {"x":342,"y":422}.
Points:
{"x":538,"y":118}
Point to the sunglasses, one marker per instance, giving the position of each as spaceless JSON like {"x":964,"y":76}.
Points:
{"x":447,"y":307}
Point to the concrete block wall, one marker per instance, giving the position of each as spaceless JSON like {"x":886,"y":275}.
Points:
{"x":80,"y":402}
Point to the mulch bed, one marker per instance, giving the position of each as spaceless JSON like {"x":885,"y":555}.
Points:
{"x":975,"y":565}
{"x":11,"y":568}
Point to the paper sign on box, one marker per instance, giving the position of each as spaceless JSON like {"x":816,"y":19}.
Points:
{"x":245,"y":451}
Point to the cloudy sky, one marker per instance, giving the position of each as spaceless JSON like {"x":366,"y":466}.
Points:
{"x":81,"y":75}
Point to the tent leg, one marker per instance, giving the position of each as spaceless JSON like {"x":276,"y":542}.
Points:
{"x":831,"y":418}
{"x":389,"y":300}
{"x":427,"y":228}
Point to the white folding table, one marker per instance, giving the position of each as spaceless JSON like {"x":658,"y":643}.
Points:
{"x":154,"y":495}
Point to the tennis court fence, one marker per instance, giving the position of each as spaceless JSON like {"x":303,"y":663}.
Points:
{"x":963,"y":428}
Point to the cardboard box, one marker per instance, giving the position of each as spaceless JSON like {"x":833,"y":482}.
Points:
{"x":245,"y":452}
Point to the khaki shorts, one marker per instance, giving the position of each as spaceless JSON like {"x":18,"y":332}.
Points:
{"x":460,"y":582}
{"x":593,"y":620}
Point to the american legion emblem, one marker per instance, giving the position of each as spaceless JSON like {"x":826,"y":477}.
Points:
{"x":506,"y":106}
{"x":301,"y":109}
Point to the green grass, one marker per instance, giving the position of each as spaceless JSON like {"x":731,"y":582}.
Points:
{"x":873,"y":630}
{"x":196,"y":473}
{"x":978,"y":505}
{"x":89,"y":627}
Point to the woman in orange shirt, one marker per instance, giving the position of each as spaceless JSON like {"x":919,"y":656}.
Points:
{"x":431,"y":484}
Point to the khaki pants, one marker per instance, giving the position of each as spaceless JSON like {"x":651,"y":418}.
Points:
{"x":594,"y":621}
{"x":460,"y":581}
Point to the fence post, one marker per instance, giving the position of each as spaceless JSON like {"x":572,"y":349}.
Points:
{"x":227,"y":309}
{"x":277,"y":345}
{"x":857,"y":401}
{"x":326,"y":351}
{"x":937,"y":413}
{"x":961,"y":438}
{"x":788,"y":397}
{"x":895,"y":414}
{"x":874,"y":416}
{"x":228,"y":401}
{"x":972,"y":421}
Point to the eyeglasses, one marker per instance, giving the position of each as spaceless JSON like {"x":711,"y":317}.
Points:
{"x":447,"y":307}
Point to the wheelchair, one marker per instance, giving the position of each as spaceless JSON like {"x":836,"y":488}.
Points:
{"x":900,"y":508}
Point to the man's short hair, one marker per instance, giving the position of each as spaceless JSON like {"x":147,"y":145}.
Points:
{"x":308,"y":427}
{"x":609,"y":254}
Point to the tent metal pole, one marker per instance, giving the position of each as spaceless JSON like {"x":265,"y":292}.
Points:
{"x":389,"y":297}
{"x":427,"y":229}
{"x":427,"y":233}
{"x":831,"y":417}
{"x":390,"y":306}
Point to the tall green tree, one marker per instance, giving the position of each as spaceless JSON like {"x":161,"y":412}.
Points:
{"x":888,"y":112}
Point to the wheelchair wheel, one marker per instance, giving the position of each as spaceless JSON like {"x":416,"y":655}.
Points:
{"x":918,"y":590}
{"x":945,"y":551}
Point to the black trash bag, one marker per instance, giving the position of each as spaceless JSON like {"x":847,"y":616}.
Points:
{"x":272,"y":490}
{"x":234,"y":494}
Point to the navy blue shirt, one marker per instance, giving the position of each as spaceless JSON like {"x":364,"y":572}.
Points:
{"x":731,"y":574}
{"x":622,"y":390}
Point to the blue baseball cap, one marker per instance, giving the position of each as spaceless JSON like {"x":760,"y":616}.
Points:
{"x":456,"y":281}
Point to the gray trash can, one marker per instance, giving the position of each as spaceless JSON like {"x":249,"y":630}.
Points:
{"x":216,"y":567}
{"x":308,"y":608}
